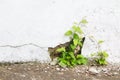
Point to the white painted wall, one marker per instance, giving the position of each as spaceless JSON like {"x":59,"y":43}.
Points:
{"x":43,"y":22}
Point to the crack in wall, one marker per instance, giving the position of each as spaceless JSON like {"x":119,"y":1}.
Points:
{"x":24,"y":53}
{"x":17,"y":46}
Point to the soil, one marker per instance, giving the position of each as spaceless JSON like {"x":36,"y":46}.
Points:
{"x":37,"y":71}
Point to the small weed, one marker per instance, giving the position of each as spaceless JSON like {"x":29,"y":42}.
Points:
{"x":100,"y":56}
{"x":71,"y":55}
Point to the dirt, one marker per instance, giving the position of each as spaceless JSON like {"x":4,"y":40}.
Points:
{"x":37,"y":71}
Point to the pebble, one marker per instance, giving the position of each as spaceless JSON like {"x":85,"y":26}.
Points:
{"x":105,"y":70}
{"x":9,"y":68}
{"x":93,"y":70}
{"x":115,"y":73}
{"x":29,"y":69}
{"x":48,"y":67}
{"x":45,"y":71}
{"x":23,"y":75}
{"x":62,"y":70}
{"x":58,"y":69}
{"x":54,"y":62}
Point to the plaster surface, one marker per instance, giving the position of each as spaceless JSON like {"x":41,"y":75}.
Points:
{"x":43,"y":23}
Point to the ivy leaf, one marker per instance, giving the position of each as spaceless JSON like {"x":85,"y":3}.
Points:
{"x":75,"y":36}
{"x":73,"y":62}
{"x":62,"y":64}
{"x":68,"y":57}
{"x":79,"y":61}
{"x":75,"y":41}
{"x":72,"y":46}
{"x":72,"y":55}
{"x":80,"y":44}
{"x":79,"y":56}
{"x":84,"y":21}
{"x":63,"y":54}
{"x":68,"y":33}
{"x":82,"y":61}
{"x":77,"y":29}
{"x":62,"y":49}
{"x":68,"y":63}
{"x":74,"y":27}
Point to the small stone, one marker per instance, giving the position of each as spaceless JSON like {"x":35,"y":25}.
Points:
{"x":45,"y":71}
{"x":48,"y":67}
{"x":115,"y":73}
{"x":54,"y":62}
{"x":62,"y":70}
{"x":9,"y":68}
{"x":58,"y":69}
{"x":23,"y":75}
{"x":93,"y":70}
{"x":105,"y":70}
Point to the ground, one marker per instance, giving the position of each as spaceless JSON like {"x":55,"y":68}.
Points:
{"x":37,"y":71}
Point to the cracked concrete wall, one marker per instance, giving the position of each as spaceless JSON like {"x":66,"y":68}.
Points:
{"x":43,"y":23}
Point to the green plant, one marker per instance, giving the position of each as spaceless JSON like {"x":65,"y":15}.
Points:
{"x":100,"y":56}
{"x":71,"y":55}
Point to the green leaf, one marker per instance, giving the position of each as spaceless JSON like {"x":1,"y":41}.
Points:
{"x":62,"y":64}
{"x":100,"y":41}
{"x":75,"y":36}
{"x":73,"y":62}
{"x":79,"y":61}
{"x":62,"y":49}
{"x":68,"y":33}
{"x":74,"y":27}
{"x":79,"y":56}
{"x":77,"y":29}
{"x":72,"y":55}
{"x":80,"y":43}
{"x":72,"y":46}
{"x":75,"y":41}
{"x":63,"y":54}
{"x":68,"y":63}
{"x":82,"y":61}
{"x":68,"y":57}
{"x":105,"y":54}
{"x":102,"y":61}
{"x":84,"y":21}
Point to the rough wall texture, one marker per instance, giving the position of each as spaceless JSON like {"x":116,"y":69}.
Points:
{"x":43,"y":23}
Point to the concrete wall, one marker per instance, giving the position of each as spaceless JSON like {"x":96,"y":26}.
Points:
{"x":28,"y":26}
